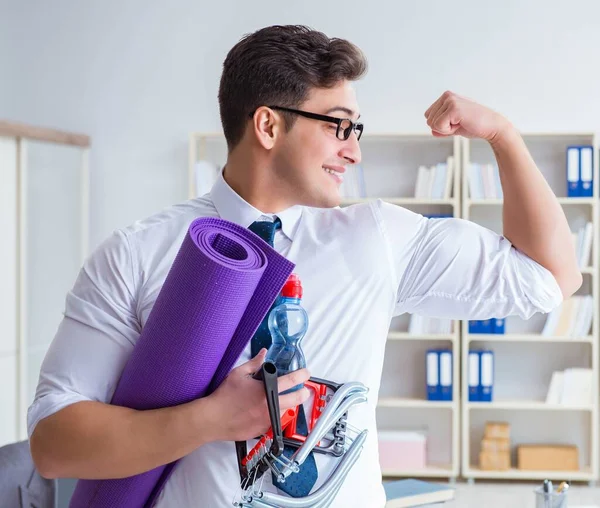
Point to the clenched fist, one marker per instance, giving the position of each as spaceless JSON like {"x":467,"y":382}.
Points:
{"x":453,"y":115}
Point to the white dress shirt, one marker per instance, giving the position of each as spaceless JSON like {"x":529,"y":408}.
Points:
{"x":359,"y":267}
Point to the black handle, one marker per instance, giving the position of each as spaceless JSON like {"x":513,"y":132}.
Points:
{"x":268,"y":374}
{"x":241,"y":450}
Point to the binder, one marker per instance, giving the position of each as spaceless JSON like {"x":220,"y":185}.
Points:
{"x":474,"y":326}
{"x":573,"y":187}
{"x":494,"y":325}
{"x":586,"y":156}
{"x":499,"y":325}
{"x":445,"y":369}
{"x":473,"y":376}
{"x":432,"y":374}
{"x":486,"y":376}
{"x":487,"y":326}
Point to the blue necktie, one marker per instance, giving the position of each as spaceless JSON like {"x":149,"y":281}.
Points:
{"x":262,"y":336}
{"x":298,"y":484}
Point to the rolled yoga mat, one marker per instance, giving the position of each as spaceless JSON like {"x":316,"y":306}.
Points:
{"x":219,"y":288}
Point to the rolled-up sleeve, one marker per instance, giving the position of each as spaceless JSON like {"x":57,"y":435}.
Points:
{"x":454,"y":268}
{"x":95,"y":337}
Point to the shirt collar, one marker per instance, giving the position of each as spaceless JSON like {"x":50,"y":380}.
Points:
{"x":232,"y":207}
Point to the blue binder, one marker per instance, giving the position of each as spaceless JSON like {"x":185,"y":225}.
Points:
{"x":580,"y":171}
{"x":445,"y":358}
{"x":439,"y":373}
{"x":486,"y":376}
{"x":480,"y":375}
{"x":572,"y":167}
{"x":473,"y":375}
{"x":586,"y":171}
{"x":494,"y":325}
{"x":474,"y":326}
{"x":432,"y":373}
{"x":487,"y":326}
{"x":499,"y":325}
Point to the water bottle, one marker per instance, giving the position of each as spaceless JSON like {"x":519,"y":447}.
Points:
{"x":288,"y":322}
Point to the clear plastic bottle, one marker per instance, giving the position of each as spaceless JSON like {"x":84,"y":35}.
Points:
{"x":288,"y":322}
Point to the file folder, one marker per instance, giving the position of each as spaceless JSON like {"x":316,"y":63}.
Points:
{"x":445,"y":358}
{"x":586,"y":156}
{"x":573,"y":178}
{"x":499,"y":325}
{"x":432,"y":373}
{"x":486,"y":376}
{"x":473,"y":376}
{"x":474,"y":326}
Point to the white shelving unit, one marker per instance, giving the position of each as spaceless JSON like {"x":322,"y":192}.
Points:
{"x":524,"y":359}
{"x":454,"y":428}
{"x":44,"y":225}
{"x":204,"y":146}
{"x":390,"y":163}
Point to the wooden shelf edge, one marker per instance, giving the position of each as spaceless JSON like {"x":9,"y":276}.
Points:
{"x":420,"y":336}
{"x":517,"y":337}
{"x":20,"y":130}
{"x":518,"y":474}
{"x":526,"y":406}
{"x":400,"y":402}
{"x":441,"y":471}
{"x":402,"y":200}
{"x":562,"y":200}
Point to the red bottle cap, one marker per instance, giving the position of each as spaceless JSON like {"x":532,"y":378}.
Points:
{"x":292,"y":287}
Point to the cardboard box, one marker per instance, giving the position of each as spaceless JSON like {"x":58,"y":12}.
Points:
{"x":497,"y":430}
{"x":548,"y":457}
{"x":495,"y":445}
{"x":494,"y":461}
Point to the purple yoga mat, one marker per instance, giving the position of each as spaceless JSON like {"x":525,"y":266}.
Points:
{"x":220,"y":286}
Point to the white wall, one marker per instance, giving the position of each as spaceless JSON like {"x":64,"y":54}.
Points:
{"x":138,"y":76}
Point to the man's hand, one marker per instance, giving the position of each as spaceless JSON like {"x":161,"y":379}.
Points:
{"x":452,"y":115}
{"x":239,"y":405}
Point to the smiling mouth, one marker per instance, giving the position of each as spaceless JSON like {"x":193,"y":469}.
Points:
{"x":336,"y":175}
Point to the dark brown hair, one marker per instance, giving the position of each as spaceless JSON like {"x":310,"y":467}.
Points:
{"x":279,"y":65}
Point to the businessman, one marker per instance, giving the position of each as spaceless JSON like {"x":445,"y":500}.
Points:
{"x":290,"y":116}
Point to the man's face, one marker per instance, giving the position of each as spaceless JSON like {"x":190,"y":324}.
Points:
{"x":310,"y":157}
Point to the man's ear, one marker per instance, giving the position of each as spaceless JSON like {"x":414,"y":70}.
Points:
{"x":267,"y":126}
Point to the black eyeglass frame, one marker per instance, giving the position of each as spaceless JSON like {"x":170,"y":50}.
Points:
{"x":344,"y":125}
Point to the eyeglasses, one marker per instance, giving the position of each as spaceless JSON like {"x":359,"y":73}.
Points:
{"x":345,"y":126}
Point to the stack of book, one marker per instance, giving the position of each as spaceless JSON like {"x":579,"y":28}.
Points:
{"x":572,"y":318}
{"x":582,"y":238}
{"x":435,"y":182}
{"x":353,"y":185}
{"x":571,"y":387}
{"x":484,"y":181}
{"x":429,"y":325}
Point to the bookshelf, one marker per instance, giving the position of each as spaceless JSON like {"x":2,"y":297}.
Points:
{"x":389,"y":168}
{"x":45,"y":240}
{"x":526,"y":356}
